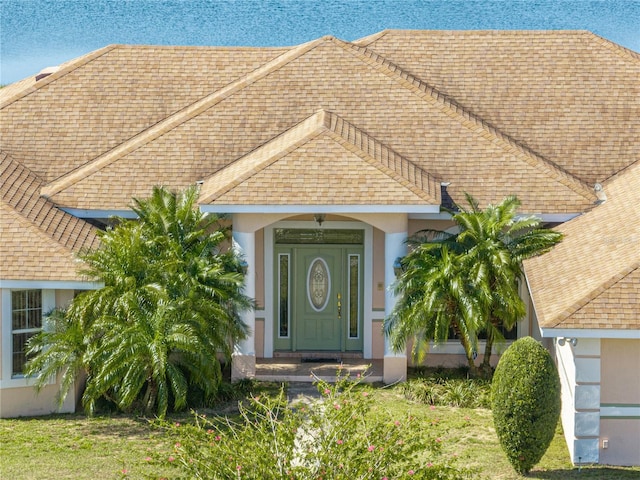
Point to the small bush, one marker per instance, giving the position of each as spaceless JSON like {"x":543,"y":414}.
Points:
{"x":448,"y":389}
{"x":335,"y":437}
{"x":525,"y":399}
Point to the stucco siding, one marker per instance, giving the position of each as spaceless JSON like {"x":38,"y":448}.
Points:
{"x":25,"y":401}
{"x":579,"y":370}
{"x":17,"y":394}
{"x":620,"y":372}
{"x":620,"y":402}
{"x":622,"y":437}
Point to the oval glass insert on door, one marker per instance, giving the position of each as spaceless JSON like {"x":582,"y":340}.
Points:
{"x":318,"y":284}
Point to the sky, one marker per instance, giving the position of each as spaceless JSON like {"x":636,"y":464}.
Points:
{"x":35,"y":34}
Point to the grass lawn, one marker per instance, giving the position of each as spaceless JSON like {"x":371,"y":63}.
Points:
{"x":76,"y":447}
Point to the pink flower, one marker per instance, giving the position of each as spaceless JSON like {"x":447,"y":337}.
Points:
{"x":327,"y":391}
{"x":171,"y":459}
{"x":339,"y":442}
{"x":336,"y":406}
{"x":429,"y":464}
{"x":217,"y":438}
{"x":209,"y":431}
{"x":432,"y":407}
{"x":177,"y":424}
{"x":125,"y":471}
{"x":396,"y":423}
{"x":438,"y":439}
{"x":410,"y":472}
{"x":238,"y":467}
{"x":371,"y":448}
{"x":147,"y":459}
{"x":365,"y":394}
{"x":178,"y":444}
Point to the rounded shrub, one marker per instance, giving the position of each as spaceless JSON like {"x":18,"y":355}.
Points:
{"x":525,"y":399}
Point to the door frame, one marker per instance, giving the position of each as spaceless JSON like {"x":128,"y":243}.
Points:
{"x":367,"y":276}
{"x":336,"y":311}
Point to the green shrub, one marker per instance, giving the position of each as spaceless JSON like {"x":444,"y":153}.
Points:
{"x":336,"y":437}
{"x":525,"y":399}
{"x":448,"y":389}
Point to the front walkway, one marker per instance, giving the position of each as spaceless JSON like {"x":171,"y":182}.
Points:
{"x":297,"y":370}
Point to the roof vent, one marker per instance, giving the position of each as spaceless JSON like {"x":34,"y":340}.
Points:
{"x":45,"y":72}
{"x":602,"y":197}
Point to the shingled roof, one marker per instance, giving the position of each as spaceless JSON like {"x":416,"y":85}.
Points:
{"x":39,"y":241}
{"x":592,"y":279}
{"x":570,"y":96}
{"x":380,"y":121}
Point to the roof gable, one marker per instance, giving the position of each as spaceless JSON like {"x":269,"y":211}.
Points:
{"x":28,"y":253}
{"x":322,"y":160}
{"x":34,"y":232}
{"x":597,"y":260}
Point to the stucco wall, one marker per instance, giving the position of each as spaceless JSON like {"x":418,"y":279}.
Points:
{"x":579,"y":370}
{"x":620,"y":402}
{"x":623,"y":441}
{"x":17,"y":402}
{"x":17,"y":395}
{"x":620,"y":372}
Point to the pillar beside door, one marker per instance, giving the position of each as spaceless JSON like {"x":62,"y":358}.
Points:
{"x":243,"y":362}
{"x":395,"y":363}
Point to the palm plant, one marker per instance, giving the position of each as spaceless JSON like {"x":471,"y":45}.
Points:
{"x":434,"y":296}
{"x":496,"y":241}
{"x":170,"y":303}
{"x":467,"y":280}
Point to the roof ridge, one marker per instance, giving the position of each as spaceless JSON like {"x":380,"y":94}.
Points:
{"x":278,"y":146}
{"x":369,"y":39}
{"x":176,"y":119}
{"x":19,"y":188}
{"x":420,"y":181}
{"x":469,"y":119}
{"x":622,"y":172}
{"x":616,"y":48}
{"x":68,"y":68}
{"x":593,"y":294}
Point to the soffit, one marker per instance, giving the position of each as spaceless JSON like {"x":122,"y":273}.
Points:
{"x":570,"y":96}
{"x":591,"y":279}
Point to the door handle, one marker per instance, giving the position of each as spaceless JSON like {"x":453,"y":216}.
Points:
{"x":339,"y":306}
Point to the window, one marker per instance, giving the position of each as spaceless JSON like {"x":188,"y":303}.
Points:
{"x":354,"y":295}
{"x":26,"y":321}
{"x":283,"y":298}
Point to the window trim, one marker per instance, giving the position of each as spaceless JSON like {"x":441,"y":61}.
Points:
{"x":7,"y":379}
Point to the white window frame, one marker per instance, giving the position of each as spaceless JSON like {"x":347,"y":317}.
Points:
{"x":8,"y":380}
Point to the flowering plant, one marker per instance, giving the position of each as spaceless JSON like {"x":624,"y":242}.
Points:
{"x":335,"y":437}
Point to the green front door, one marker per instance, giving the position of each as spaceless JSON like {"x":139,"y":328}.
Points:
{"x":318,"y":297}
{"x":318,"y":309}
